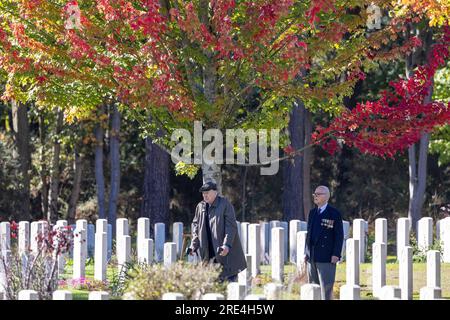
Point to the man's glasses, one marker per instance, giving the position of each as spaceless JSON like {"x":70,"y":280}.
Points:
{"x":317,"y":194}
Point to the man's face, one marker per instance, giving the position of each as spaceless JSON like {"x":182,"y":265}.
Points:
{"x":209,"y":196}
{"x":320,"y":197}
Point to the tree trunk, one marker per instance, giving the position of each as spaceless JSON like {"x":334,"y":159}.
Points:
{"x":22,"y":140}
{"x":78,"y":169}
{"x":155,"y":205}
{"x":52,"y":215}
{"x":293,"y":168}
{"x":307,"y":156}
{"x":417,"y":179}
{"x":244,"y":192}
{"x":99,"y":174}
{"x":115,"y":166}
{"x":44,"y":170}
{"x":418,"y":166}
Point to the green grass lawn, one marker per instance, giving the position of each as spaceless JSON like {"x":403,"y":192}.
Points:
{"x":292,"y":291}
{"x":392,"y":278}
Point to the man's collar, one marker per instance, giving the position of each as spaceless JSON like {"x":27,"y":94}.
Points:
{"x":215,"y":202}
{"x":322,"y":208}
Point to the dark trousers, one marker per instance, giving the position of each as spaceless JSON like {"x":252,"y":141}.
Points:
{"x":323,"y":274}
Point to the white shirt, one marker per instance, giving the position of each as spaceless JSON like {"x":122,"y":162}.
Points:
{"x":322,"y":208}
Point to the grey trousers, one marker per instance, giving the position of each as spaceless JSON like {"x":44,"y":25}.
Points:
{"x":323,"y":274}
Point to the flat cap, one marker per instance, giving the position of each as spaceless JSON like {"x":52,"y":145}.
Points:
{"x":209,"y":185}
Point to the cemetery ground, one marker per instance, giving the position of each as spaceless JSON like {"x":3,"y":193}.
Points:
{"x":291,"y":288}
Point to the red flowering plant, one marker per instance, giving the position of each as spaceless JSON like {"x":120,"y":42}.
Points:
{"x":35,"y":268}
{"x":14,"y":228}
{"x":397,"y":120}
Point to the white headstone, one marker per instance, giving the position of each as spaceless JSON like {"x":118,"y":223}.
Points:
{"x":390,"y":293}
{"x":254,"y":247}
{"x":277,"y":259}
{"x":244,"y":236}
{"x":213,"y":296}
{"x":4,"y":263}
{"x":43,"y":227}
{"x":294,"y":227}
{"x":272,"y":224}
{"x":444,"y":235}
{"x":160,"y":239}
{"x":109,"y":227}
{"x":100,"y":261}
{"x":170,"y":253}
{"x":301,"y":242}
{"x":346,"y":230}
{"x":273,"y":291}
{"x":80,"y":249}
{"x":62,"y":295}
{"x":425,"y":233}
{"x":236,"y":291}
{"x":122,"y":228}
{"x":265,"y":230}
{"x":90,"y":240}
{"x":406,"y":273}
{"x":359,"y":233}
{"x":381,"y":230}
{"x":285,"y":226}
{"x":430,"y":293}
{"x":5,"y":236}
{"x":34,"y":231}
{"x":143,"y":233}
{"x":28,"y":295}
{"x":438,"y":230}
{"x":433,"y":269}
{"x":245,"y":276}
{"x":350,"y":292}
{"x":379,"y":255}
{"x":123,"y":252}
{"x":255,"y":297}
{"x":177,"y":231}
{"x":310,"y":291}
{"x":24,"y":237}
{"x":61,"y":225}
{"x":98,"y":295}
{"x":101,"y":226}
{"x":146,"y":255}
{"x":403,"y":227}
{"x":173,"y":296}
{"x":352,"y":266}
{"x":303,"y":226}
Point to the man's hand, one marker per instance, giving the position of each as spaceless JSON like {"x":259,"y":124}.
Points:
{"x":334,"y":259}
{"x":225,"y":251}
{"x":190,"y":251}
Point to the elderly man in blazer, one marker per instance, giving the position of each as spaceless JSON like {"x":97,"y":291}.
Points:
{"x":214,"y":233}
{"x":323,"y":242}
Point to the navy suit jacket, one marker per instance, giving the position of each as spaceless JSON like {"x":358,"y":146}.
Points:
{"x":331,"y":235}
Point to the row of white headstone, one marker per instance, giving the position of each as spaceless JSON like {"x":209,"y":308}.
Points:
{"x":351,"y":290}
{"x":251,"y":235}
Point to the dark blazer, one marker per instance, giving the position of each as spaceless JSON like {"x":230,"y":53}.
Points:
{"x":331,"y":236}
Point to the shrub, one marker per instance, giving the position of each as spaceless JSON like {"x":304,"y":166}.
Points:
{"x":419,"y":254}
{"x":34,"y":270}
{"x":150,"y":282}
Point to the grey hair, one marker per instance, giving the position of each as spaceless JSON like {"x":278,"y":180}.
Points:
{"x":326,"y":190}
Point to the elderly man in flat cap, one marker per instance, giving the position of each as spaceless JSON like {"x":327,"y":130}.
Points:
{"x":214,"y":233}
